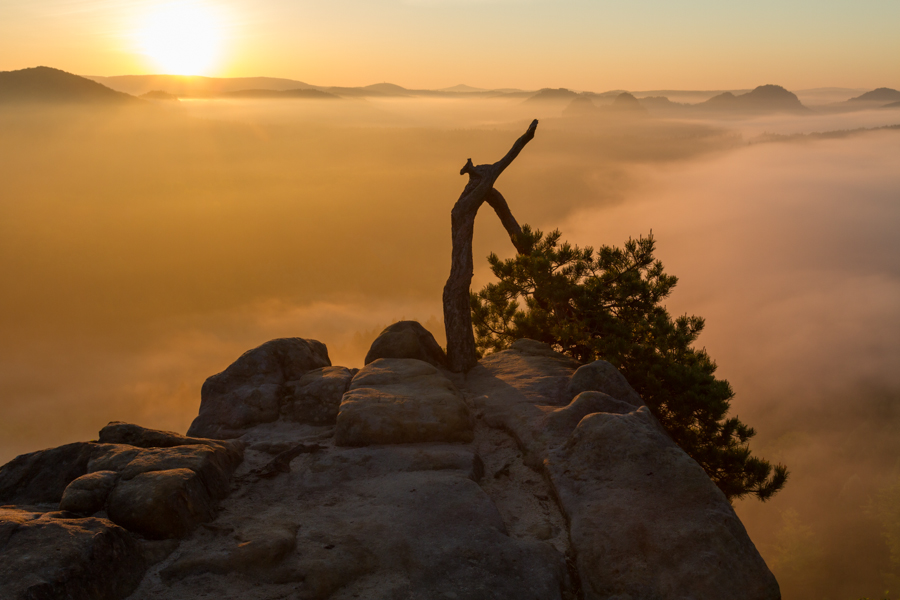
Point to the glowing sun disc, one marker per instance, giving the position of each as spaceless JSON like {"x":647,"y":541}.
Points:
{"x":182,"y":38}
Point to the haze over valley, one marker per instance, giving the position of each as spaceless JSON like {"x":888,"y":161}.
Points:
{"x":154,"y":227}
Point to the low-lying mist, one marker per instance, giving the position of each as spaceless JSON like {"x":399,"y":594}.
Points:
{"x":143,"y":250}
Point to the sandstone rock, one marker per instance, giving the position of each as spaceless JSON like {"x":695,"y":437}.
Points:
{"x":214,"y":466}
{"x":646,"y":521}
{"x":315,"y":397}
{"x":42,"y":477}
{"x":117,"y":432}
{"x":87,"y":494}
{"x":601,"y":376}
{"x":407,"y":339}
{"x":161,"y":504}
{"x":46,"y":558}
{"x":515,"y":389}
{"x":254,"y":556}
{"x":401,"y":400}
{"x":396,"y":521}
{"x":250,"y":390}
{"x":562,"y":421}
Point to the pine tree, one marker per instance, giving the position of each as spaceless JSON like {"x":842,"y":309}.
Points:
{"x":607,"y":305}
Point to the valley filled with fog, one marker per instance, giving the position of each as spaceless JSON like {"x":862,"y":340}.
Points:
{"x":144,"y":248}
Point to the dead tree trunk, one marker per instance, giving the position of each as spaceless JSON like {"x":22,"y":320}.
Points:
{"x":480,"y":189}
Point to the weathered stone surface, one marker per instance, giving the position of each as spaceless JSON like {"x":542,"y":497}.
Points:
{"x":376,"y":522}
{"x":601,"y":376}
{"x":118,"y":432}
{"x":646,"y":521}
{"x":213,"y":465}
{"x":42,"y":476}
{"x":87,"y":494}
{"x":562,"y":421}
{"x":315,"y":397}
{"x":514,"y":390}
{"x":161,"y":504}
{"x":255,"y":556}
{"x":401,"y":400}
{"x":43,"y":557}
{"x":250,"y":390}
{"x":407,"y":339}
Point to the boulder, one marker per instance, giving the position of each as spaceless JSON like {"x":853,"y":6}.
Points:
{"x":407,"y":339}
{"x":646,"y":521}
{"x":161,"y":504}
{"x":562,"y":421}
{"x":214,"y":466}
{"x":117,"y":432}
{"x":250,"y":390}
{"x":87,"y":494}
{"x":44,"y":557}
{"x":601,"y":376}
{"x":315,"y":397}
{"x":41,"y":477}
{"x":402,"y":400}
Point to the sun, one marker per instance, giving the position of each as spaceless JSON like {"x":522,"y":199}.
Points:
{"x":182,"y":38}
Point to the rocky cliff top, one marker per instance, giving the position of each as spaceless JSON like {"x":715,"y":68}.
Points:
{"x":529,"y":477}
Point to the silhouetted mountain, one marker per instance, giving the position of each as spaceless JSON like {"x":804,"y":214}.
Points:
{"x":463,"y":88}
{"x":765,"y":98}
{"x":389,"y":89}
{"x":281,"y":95}
{"x":48,"y":85}
{"x":627,"y":104}
{"x":159,"y":95}
{"x":661,"y":104}
{"x":879,"y":95}
{"x":580,"y":106}
{"x":195,"y":85}
{"x":892,"y":105}
{"x":552,"y":95}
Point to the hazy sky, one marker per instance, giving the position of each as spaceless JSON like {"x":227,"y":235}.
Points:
{"x":581,"y":44}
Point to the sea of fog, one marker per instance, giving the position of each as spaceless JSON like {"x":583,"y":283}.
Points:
{"x":144,"y":250}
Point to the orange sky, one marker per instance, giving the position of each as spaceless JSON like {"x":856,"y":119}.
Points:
{"x":581,"y":44}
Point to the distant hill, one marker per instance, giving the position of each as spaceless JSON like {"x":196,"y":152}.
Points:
{"x":281,"y":95}
{"x":388,"y":89}
{"x":48,"y":85}
{"x":159,"y":95}
{"x":195,"y":85}
{"x":661,"y":104}
{"x":552,"y":95}
{"x":892,"y":105}
{"x":765,"y":98}
{"x":879,"y":95}
{"x":463,"y":88}
{"x":626,"y":104}
{"x":580,"y":106}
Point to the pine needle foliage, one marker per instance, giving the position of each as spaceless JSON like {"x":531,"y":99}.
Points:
{"x":606,"y":304}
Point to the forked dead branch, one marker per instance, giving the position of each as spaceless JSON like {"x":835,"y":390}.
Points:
{"x":480,"y":189}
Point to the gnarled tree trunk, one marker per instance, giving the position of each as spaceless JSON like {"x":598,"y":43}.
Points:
{"x":480,"y":189}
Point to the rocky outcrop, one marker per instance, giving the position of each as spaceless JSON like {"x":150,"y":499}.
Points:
{"x":251,"y":390}
{"x":402,"y":400}
{"x":81,"y":518}
{"x":407,"y":339}
{"x":614,"y":471}
{"x":315,"y":397}
{"x":46,"y":556}
{"x":531,"y":477}
{"x":615,"y":475}
{"x":41,"y":477}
